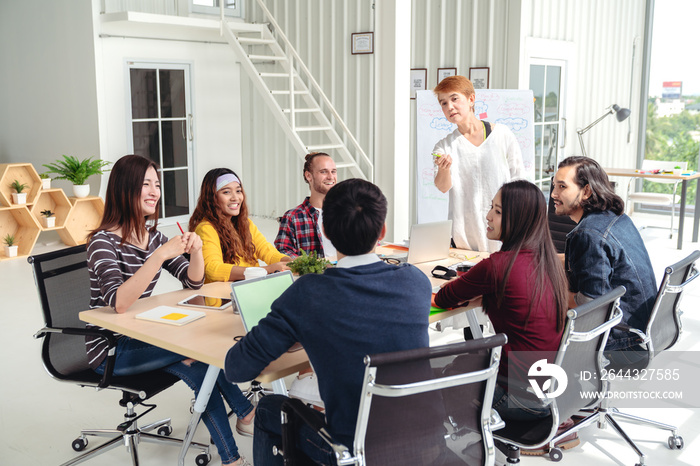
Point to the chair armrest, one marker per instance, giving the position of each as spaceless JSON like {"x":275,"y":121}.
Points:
{"x":295,"y":411}
{"x":111,"y":348}
{"x":626,"y":328}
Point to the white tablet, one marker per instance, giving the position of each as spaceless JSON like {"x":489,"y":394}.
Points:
{"x":206,"y":302}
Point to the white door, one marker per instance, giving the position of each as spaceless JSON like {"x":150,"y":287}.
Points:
{"x":546,"y":82}
{"x":160,"y":120}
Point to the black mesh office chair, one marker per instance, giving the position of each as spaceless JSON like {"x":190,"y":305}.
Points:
{"x":580,"y":355}
{"x":423,"y":406}
{"x":662,"y":332}
{"x":63,"y":285}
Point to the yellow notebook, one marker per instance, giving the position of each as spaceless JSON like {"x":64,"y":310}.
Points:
{"x":171,"y":315}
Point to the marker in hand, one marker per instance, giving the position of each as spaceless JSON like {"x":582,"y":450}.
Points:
{"x":180,"y":227}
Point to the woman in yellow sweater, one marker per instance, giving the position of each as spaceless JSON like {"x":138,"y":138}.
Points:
{"x":230,"y":240}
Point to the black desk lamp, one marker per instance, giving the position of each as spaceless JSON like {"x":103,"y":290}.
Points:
{"x":621,"y":114}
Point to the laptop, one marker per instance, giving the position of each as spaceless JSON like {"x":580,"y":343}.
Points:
{"x":428,"y":242}
{"x":253,"y":297}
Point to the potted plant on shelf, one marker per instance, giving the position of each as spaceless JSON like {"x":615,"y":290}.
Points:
{"x":45,"y":181}
{"x":308,"y":263}
{"x":48,"y":218}
{"x":18,"y":197}
{"x":10,"y":246}
{"x":77,"y":172}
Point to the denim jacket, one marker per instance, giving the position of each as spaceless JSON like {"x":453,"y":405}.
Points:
{"x":603,"y":252}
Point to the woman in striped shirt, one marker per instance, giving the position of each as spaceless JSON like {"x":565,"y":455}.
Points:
{"x":125,"y":256}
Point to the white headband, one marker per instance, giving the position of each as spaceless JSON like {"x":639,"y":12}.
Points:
{"x":225,"y":179}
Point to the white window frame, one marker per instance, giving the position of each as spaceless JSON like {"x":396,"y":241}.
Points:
{"x":187,"y":67}
{"x":236,"y":11}
{"x":561,"y":53}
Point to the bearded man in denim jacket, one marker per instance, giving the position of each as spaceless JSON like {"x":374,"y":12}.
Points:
{"x":604,"y":251}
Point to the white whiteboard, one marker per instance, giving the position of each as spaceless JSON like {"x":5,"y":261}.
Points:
{"x":513,"y":108}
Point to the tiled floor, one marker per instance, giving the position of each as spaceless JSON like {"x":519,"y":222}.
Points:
{"x":39,"y":417}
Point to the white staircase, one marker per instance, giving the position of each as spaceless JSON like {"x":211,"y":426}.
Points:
{"x":294,"y":97}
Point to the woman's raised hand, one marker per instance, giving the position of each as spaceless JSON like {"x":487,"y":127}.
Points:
{"x":173,"y":248}
{"x":193,"y":243}
{"x":444,"y":162}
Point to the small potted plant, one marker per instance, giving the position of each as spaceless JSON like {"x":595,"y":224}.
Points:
{"x":10,"y":246}
{"x":45,"y":181}
{"x":308,"y":263}
{"x":18,"y":197}
{"x":48,"y":218}
{"x":677,"y":170}
{"x":77,"y":172}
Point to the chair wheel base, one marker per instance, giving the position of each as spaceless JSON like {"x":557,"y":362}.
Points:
{"x":676,"y":442}
{"x":81,"y":443}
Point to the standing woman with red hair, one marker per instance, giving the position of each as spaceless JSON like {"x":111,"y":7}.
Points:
{"x":231,"y":241}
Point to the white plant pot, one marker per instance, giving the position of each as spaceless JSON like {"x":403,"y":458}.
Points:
{"x":81,"y":190}
{"x":11,"y":251}
{"x":46,"y":183}
{"x":49,"y":222}
{"x":677,"y":171}
{"x":19,"y":198}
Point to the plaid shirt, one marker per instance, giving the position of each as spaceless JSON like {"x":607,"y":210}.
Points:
{"x":299,"y":231}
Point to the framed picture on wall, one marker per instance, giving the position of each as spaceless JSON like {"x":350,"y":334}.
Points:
{"x":479,"y":77}
{"x":362,"y":42}
{"x":445,"y":72}
{"x":419,"y":78}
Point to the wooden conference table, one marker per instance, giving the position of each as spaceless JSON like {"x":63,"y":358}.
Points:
{"x":209,"y":339}
{"x":632,"y":173}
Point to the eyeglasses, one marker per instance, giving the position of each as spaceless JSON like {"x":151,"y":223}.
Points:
{"x":391,"y":260}
{"x":462,"y":257}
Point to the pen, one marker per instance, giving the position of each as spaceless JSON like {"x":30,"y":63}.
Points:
{"x":435,"y":154}
{"x":180,"y":227}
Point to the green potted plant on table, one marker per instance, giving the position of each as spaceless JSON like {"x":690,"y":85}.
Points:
{"x":10,"y":246}
{"x":677,"y":170}
{"x":308,"y":263}
{"x":77,"y":172}
{"x":18,"y":197}
{"x":48,"y":218}
{"x":45,"y":181}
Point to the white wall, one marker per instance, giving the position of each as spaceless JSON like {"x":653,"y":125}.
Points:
{"x":320,"y":31}
{"x":604,"y":35}
{"x":47,"y":83}
{"x":216,"y":97}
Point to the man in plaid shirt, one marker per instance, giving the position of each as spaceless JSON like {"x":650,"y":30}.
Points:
{"x":300,"y":227}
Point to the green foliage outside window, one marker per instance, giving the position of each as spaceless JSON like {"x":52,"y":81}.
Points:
{"x":670,"y":138}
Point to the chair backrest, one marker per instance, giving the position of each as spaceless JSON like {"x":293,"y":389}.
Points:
{"x":63,"y":284}
{"x":429,"y":405}
{"x":664,"y":327}
{"x":580,"y":353}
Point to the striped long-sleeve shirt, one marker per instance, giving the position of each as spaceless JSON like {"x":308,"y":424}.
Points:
{"x":111,"y":264}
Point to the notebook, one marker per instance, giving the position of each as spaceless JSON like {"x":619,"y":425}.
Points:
{"x":428,"y":242}
{"x":171,"y":315}
{"x":253,"y":297}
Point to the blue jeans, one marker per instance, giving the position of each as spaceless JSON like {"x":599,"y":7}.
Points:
{"x":136,"y":357}
{"x":268,"y":432}
{"x":517,"y":409}
{"x":635,"y":356}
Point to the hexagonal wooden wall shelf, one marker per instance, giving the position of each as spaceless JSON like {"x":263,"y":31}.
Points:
{"x":22,"y":172}
{"x":84,"y":217}
{"x":18,"y":221}
{"x":56,"y":201}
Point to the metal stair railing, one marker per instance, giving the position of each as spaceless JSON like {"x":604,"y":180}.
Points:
{"x":296,"y":86}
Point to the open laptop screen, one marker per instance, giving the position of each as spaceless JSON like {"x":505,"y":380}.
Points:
{"x":253,"y":298}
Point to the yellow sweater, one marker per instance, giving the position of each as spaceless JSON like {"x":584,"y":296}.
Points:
{"x":215,"y":269}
